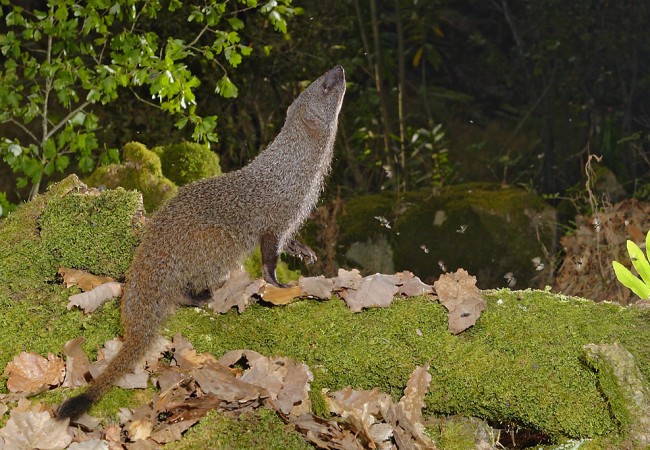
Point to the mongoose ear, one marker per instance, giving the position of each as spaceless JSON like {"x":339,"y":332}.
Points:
{"x":311,"y":120}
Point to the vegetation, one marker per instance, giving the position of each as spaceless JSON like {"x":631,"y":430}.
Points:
{"x":640,"y":287}
{"x":65,"y":60}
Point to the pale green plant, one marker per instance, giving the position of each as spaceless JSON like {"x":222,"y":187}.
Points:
{"x":640,"y":286}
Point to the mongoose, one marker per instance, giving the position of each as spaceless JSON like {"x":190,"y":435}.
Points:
{"x":196,"y":239}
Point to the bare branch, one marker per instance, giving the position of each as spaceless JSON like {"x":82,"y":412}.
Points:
{"x":24,"y":128}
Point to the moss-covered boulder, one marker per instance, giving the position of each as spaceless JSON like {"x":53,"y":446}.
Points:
{"x":487,"y":229}
{"x":523,"y":365}
{"x":141,"y":170}
{"x":71,"y":226}
{"x":187,"y":162}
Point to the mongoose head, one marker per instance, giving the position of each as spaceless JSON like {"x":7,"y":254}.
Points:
{"x":318,"y":106}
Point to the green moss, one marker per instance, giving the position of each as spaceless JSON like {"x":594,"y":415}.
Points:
{"x":521,"y":364}
{"x":93,"y":233}
{"x":40,"y":323}
{"x":256,"y":430}
{"x":188,"y":161}
{"x":456,"y":433}
{"x":67,"y":227}
{"x":140,"y":170}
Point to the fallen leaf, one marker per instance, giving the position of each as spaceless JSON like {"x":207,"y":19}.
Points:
{"x":326,"y":434}
{"x":91,"y":300}
{"x":236,"y":291}
{"x":83,"y":280}
{"x":362,"y":410}
{"x":138,"y":377}
{"x":30,"y":430}
{"x":285,"y":380}
{"x":171,"y":432}
{"x":373,"y":416}
{"x":319,"y":287}
{"x":140,"y":424}
{"x":406,"y":416}
{"x":373,"y":291}
{"x":410,"y":285}
{"x":76,"y":363}
{"x":347,"y":279}
{"x":218,"y":380}
{"x":280,"y":296}
{"x":92,"y":444}
{"x":458,"y":293}
{"x":31,"y":373}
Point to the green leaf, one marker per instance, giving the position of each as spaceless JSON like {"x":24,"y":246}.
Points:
{"x":226,"y":88}
{"x":630,"y":281}
{"x":235,"y":23}
{"x":61,"y":163}
{"x":639,"y":261}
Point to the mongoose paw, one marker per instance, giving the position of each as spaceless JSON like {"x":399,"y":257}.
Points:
{"x":300,"y":250}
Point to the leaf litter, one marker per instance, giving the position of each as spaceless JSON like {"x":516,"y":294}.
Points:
{"x":192,"y":384}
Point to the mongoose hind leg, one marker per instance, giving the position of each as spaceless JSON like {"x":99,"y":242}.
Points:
{"x":270,"y":246}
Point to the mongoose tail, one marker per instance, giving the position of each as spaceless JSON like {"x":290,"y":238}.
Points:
{"x":137,"y":341}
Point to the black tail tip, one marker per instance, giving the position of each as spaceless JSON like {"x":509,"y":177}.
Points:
{"x":74,"y":407}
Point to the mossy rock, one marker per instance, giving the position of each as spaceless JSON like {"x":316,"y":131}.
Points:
{"x":140,"y":170}
{"x":71,"y":226}
{"x":188,"y":162}
{"x":486,"y":229}
{"x":521,"y":365}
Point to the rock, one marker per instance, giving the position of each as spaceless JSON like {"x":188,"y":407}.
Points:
{"x":487,"y":229}
{"x":73,"y":226}
{"x":625,"y":388}
{"x":140,"y":170}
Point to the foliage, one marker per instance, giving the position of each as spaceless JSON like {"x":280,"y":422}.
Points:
{"x":5,"y":206}
{"x":62,"y":62}
{"x":640,"y":287}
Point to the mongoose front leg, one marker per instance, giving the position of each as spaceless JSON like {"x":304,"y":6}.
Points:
{"x":270,"y":250}
{"x":300,"y":250}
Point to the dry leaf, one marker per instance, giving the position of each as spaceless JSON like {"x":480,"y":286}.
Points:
{"x":31,"y":373}
{"x":171,"y":432}
{"x":280,"y":296}
{"x":458,"y":293}
{"x":30,"y":430}
{"x":374,"y":416}
{"x":319,"y":287}
{"x":236,"y":291}
{"x":373,"y":291}
{"x":326,"y":434}
{"x":218,"y":380}
{"x":92,"y":444}
{"x":76,"y":363}
{"x":140,"y":424}
{"x":347,"y":279}
{"x":406,"y":416}
{"x":362,"y":410}
{"x":83,"y":280}
{"x":91,"y":300}
{"x":410,"y":285}
{"x":285,"y":381}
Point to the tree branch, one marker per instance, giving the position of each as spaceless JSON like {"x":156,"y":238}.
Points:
{"x":62,"y":122}
{"x":24,"y":128}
